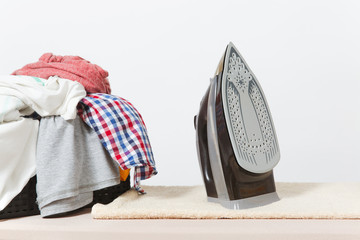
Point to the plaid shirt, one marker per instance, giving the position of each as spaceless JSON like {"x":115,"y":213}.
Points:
{"x":122,"y":132}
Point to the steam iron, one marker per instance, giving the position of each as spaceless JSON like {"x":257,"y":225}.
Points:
{"x":236,"y":140}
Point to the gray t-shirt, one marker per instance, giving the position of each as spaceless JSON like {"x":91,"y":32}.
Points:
{"x":71,"y":163}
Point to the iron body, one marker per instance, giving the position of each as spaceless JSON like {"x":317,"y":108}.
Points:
{"x":236,"y":139}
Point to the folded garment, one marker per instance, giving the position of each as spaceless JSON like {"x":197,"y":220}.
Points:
{"x":122,"y":132}
{"x":22,"y":95}
{"x":71,"y":163}
{"x":17,"y":157}
{"x":74,"y":68}
{"x":10,"y":108}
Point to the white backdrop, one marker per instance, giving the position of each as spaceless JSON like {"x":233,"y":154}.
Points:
{"x":161,"y":54}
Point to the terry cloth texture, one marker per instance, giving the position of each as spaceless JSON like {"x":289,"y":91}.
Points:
{"x":71,"y":163}
{"x":22,"y":95}
{"x":122,"y":132}
{"x":17,"y":157}
{"x":297,"y":201}
{"x":74,"y":68}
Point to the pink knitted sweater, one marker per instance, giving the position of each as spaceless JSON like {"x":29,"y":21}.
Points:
{"x":91,"y":76}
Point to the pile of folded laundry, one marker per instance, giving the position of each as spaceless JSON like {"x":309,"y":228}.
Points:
{"x":58,"y":121}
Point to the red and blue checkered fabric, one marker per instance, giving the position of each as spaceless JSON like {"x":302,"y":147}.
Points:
{"x":122,"y":132}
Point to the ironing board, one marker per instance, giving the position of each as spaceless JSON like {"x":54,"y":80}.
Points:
{"x":82,"y":226}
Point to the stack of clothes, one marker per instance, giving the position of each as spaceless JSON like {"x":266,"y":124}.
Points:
{"x":59,"y":121}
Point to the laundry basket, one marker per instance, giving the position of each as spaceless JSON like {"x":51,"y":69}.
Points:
{"x":24,"y":204}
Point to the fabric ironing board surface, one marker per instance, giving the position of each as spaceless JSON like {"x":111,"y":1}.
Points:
{"x":297,"y":201}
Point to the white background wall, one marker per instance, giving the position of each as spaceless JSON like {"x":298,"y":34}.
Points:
{"x":161,"y":54}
